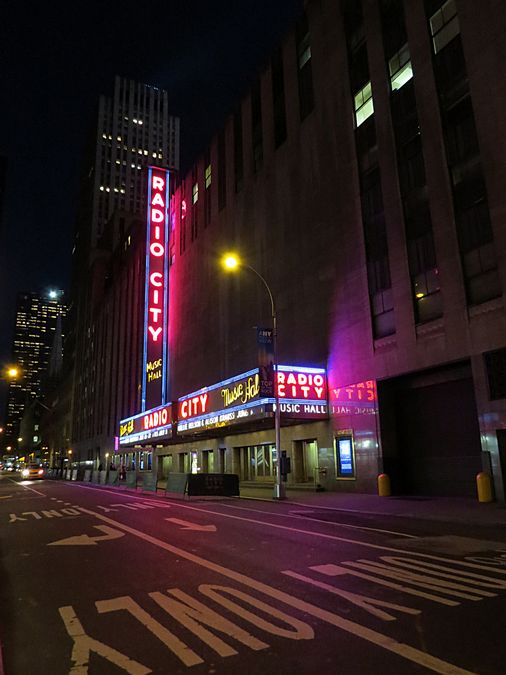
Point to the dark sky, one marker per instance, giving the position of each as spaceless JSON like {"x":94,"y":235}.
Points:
{"x":57,"y":58}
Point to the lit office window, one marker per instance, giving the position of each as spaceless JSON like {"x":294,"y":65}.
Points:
{"x":444,"y":25}
{"x":208,"y":176}
{"x":364,"y":106}
{"x":400,"y":69}
{"x":195,"y":193}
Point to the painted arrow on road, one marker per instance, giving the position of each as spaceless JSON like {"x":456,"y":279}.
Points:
{"x":86,"y":540}
{"x":185,"y":525}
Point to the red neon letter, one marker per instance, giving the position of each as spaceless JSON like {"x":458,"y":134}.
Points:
{"x":158,"y":183}
{"x":156,"y":215}
{"x":155,"y":332}
{"x":157,"y":249}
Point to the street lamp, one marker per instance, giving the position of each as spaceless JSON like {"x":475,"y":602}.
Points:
{"x":232,"y":263}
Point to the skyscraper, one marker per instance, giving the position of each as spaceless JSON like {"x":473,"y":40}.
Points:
{"x":38,"y":319}
{"x":133,"y":131}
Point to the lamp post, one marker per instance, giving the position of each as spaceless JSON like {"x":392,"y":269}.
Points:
{"x":232,"y":262}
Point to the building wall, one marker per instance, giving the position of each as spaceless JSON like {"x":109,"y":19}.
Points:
{"x":299,"y":220}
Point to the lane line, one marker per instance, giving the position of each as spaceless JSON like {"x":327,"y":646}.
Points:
{"x":28,"y":488}
{"x":293,"y":514}
{"x":379,"y":639}
{"x":314,"y":534}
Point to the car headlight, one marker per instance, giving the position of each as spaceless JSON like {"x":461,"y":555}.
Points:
{"x":40,"y":472}
{"x":25,"y":472}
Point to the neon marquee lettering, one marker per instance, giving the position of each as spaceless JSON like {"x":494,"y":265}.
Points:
{"x":197,"y":405}
{"x":301,"y":385}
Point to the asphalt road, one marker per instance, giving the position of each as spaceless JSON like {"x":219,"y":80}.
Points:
{"x":99,"y":580}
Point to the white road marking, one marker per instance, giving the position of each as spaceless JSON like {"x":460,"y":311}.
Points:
{"x":297,"y":514}
{"x":368,"y":604}
{"x":374,"y":637}
{"x":84,"y":646}
{"x":192,"y":613}
{"x":27,"y":488}
{"x":308,"y":532}
{"x":336,"y":570}
{"x":86,"y":540}
{"x":171,"y":641}
{"x":186,"y":525}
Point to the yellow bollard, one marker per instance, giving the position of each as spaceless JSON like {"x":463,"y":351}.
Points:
{"x":484,"y":487}
{"x":384,"y":485}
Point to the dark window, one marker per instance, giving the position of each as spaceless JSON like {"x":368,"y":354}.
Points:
{"x":393,"y":26}
{"x":278,"y":98}
{"x":378,"y":268}
{"x":460,"y":129}
{"x":207,"y":188}
{"x":182,"y":221}
{"x":256,"y":126}
{"x":411,"y":166}
{"x":238,"y":156}
{"x":495,"y":363}
{"x":222,"y":171}
{"x":304,"y":71}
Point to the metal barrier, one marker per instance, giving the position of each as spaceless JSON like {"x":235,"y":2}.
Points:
{"x":113,"y":478}
{"x":213,"y":484}
{"x":177,"y":483}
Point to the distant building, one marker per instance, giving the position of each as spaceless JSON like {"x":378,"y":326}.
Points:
{"x":134,"y":130}
{"x":38,"y":336}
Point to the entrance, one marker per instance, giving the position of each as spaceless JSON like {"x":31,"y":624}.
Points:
{"x":305,"y":461}
{"x":257,"y":462}
{"x":430,"y":433}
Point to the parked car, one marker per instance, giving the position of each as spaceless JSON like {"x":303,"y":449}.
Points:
{"x":32,"y":471}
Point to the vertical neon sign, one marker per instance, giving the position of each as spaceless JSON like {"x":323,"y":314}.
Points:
{"x":156,"y":303}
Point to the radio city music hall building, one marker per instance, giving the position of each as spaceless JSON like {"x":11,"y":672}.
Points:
{"x":362,"y":178}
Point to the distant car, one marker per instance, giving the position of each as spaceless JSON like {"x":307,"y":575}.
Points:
{"x":32,"y":472}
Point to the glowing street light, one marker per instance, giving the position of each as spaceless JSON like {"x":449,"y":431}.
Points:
{"x":231,"y":262}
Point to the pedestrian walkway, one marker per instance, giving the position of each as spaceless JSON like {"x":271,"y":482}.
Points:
{"x":455,"y":509}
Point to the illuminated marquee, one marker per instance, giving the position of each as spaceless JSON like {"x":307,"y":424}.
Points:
{"x":156,"y":287}
{"x":156,"y":423}
{"x":302,"y":393}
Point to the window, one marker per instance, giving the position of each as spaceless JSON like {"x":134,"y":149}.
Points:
{"x":495,"y":363}
{"x":444,"y":25}
{"x":256,"y":126}
{"x":278,"y":98}
{"x":195,"y":193}
{"x":378,"y":268}
{"x":304,"y":71}
{"x":238,"y":156}
{"x":364,"y":106}
{"x":222,"y":169}
{"x":399,"y":68}
{"x":207,"y":191}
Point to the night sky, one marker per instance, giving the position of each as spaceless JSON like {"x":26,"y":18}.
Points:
{"x":57,"y":58}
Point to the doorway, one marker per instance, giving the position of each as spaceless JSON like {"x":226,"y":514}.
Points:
{"x":305,"y":461}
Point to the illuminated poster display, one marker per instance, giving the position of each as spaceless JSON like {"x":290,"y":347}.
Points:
{"x":345,"y":456}
{"x":156,"y":287}
{"x":156,"y":423}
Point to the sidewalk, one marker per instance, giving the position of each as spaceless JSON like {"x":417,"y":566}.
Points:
{"x":456,"y":509}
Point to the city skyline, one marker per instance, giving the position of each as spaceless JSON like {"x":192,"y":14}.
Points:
{"x":204,"y":56}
